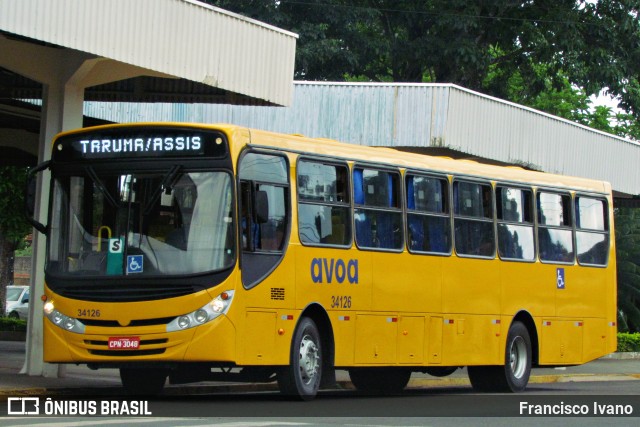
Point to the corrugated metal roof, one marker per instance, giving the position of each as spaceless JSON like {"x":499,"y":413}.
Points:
{"x":181,"y":38}
{"x":420,"y":116}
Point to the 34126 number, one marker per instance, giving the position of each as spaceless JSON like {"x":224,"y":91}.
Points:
{"x":340,"y":301}
{"x":84,"y":312}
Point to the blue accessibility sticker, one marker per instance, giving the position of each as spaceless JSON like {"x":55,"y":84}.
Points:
{"x":560,"y":278}
{"x":135,"y":264}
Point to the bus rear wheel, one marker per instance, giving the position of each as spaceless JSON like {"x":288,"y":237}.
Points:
{"x":143,"y":382}
{"x":380,"y":380}
{"x":301,"y":379}
{"x":514,"y":375}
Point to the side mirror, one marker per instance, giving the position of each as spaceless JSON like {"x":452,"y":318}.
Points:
{"x":262,"y":207}
{"x":30,"y":197}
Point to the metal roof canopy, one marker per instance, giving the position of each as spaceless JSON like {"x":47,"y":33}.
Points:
{"x":437,"y":119}
{"x":70,"y":45}
{"x":245,"y":60}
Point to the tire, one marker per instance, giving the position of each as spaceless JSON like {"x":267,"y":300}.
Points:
{"x":301,"y":379}
{"x":382,"y":381}
{"x":143,"y":382}
{"x":14,"y":315}
{"x":513,"y":377}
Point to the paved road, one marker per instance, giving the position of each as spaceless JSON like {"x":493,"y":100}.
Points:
{"x":446,"y":406}
{"x":81,"y":377}
{"x":438,"y":402}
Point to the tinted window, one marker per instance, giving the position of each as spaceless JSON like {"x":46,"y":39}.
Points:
{"x":473,"y":219}
{"x":428,"y":221}
{"x":378,"y":217}
{"x":473,"y":200}
{"x":554,"y":209}
{"x":427,"y":194}
{"x":324,"y":214}
{"x":591,"y":213}
{"x":263,"y":167}
{"x":555,"y":234}
{"x":592,"y":234}
{"x":515,"y":226}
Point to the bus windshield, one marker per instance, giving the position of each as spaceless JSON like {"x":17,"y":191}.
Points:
{"x":170,"y":222}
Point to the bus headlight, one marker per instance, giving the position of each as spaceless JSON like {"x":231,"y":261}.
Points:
{"x":201,"y":316}
{"x":184,"y":322}
{"x":219,"y":305}
{"x":62,"y":321}
{"x":48,"y":308}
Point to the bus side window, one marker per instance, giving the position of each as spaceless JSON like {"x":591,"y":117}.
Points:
{"x":378,"y":216}
{"x":515,"y":224}
{"x":592,"y":231}
{"x":249,"y":230}
{"x":473,"y":219}
{"x":324,"y":213}
{"x":428,"y":223}
{"x":270,"y":217}
{"x":555,"y":235}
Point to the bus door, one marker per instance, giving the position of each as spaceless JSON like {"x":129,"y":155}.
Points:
{"x":264,"y":214}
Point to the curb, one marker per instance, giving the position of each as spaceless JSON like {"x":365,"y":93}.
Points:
{"x":623,"y":356}
{"x":534,"y":379}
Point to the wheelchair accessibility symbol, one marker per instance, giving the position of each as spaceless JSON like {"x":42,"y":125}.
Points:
{"x":560,"y":278}
{"x":135,"y":264}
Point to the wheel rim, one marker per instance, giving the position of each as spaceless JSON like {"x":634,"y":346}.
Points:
{"x":518,"y":357}
{"x":309,"y":360}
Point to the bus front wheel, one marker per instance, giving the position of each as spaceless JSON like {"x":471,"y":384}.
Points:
{"x":301,"y":379}
{"x":514,"y":375}
{"x":143,"y":382}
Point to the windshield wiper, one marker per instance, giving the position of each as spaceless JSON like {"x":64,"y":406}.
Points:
{"x":100,"y":186}
{"x":167,"y":180}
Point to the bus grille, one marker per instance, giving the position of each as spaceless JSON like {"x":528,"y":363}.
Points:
{"x":135,"y":322}
{"x":125,"y":293}
{"x":127,"y":353}
{"x":277,"y":294}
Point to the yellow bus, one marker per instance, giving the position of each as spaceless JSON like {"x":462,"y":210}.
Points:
{"x":194,"y":252}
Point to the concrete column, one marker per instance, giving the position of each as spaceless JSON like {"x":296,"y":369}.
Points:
{"x":61,"y":110}
{"x":64,"y":75}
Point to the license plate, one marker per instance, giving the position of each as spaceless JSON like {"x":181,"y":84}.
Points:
{"x":124,"y":343}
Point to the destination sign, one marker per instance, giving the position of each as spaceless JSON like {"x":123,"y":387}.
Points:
{"x":155,"y":144}
{"x":139,"y":142}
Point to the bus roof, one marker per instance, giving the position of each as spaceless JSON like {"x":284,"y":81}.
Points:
{"x":241,"y":136}
{"x":410,"y":160}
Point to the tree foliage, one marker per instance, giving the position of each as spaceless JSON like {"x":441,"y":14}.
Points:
{"x":628,"y":254}
{"x":593,"y":45}
{"x":567,"y":101}
{"x":13,"y":226}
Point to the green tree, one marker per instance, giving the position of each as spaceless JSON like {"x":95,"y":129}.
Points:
{"x":565,"y":100}
{"x":628,"y":253}
{"x":595,"y":46}
{"x":13,"y":226}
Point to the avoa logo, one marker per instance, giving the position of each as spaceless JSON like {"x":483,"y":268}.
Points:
{"x":325,"y":270}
